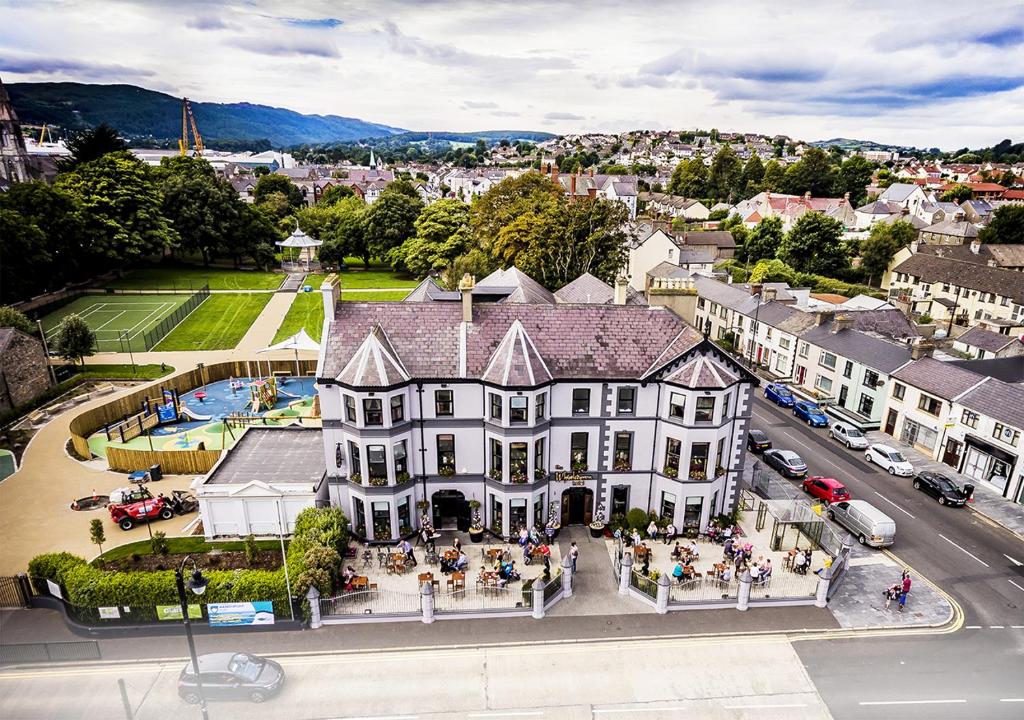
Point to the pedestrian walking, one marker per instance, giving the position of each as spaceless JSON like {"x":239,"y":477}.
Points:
{"x":574,"y":553}
{"x":670,"y":533}
{"x":891,"y":593}
{"x":904,"y":589}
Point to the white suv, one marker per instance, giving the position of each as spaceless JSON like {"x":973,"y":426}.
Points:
{"x":848,"y":435}
{"x":889,"y":459}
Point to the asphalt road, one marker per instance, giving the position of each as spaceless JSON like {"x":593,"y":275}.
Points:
{"x":963,"y":552}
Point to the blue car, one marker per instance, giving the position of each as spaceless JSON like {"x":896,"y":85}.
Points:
{"x":779,"y":394}
{"x":810,"y":412}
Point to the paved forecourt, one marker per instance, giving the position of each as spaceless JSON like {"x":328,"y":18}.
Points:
{"x":119,"y":321}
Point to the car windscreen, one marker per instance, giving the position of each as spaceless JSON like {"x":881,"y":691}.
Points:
{"x":783,"y":392}
{"x":792,"y":458}
{"x":853,"y":432}
{"x":946,"y":485}
{"x":245,"y":667}
{"x":897,"y":457}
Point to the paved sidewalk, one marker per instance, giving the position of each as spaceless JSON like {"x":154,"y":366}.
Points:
{"x":987,"y":501}
{"x":261,"y":332}
{"x":595,"y":592}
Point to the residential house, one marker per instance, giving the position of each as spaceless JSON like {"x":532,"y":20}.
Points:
{"x":590,"y":290}
{"x":952,"y":230}
{"x":675,"y":206}
{"x":906,"y":195}
{"x":981,"y":343}
{"x":699,"y":250}
{"x":537,"y":412}
{"x":968,"y":420}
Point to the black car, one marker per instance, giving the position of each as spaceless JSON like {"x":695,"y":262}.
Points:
{"x":232,"y":676}
{"x":757,"y":441}
{"x":941,"y":488}
{"x":787,"y":462}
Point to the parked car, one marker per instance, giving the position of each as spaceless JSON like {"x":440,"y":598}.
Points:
{"x":871,"y":526}
{"x":810,"y":413}
{"x":787,"y":462}
{"x":941,"y":488}
{"x":889,"y":459}
{"x":828,"y":489}
{"x":848,"y":435}
{"x":231,"y":676}
{"x":757,"y":441}
{"x":779,"y":394}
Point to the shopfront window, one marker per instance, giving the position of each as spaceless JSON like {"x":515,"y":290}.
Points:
{"x":381,"y":521}
{"x":692,"y":512}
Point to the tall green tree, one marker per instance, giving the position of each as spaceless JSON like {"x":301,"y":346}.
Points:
{"x":74,"y":339}
{"x":772,"y":271}
{"x":958,"y":194}
{"x":267,"y":185}
{"x":689,"y":179}
{"x":22,"y":246}
{"x":203,"y":209}
{"x":725,"y":177}
{"x":813,"y":173}
{"x":1006,"y":226}
{"x":815,"y":245}
{"x":774,"y":177}
{"x":884,"y":240}
{"x":443,"y":234}
{"x":853,"y":177}
{"x":121,"y":208}
{"x":92,"y":144}
{"x":753,"y":175}
{"x":390,"y":221}
{"x":765,"y":239}
{"x":335,"y":194}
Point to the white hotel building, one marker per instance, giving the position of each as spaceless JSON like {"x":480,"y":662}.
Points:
{"x":533,"y":408}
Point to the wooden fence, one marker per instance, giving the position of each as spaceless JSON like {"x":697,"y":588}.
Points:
{"x":118,"y":409}
{"x":174,"y":462}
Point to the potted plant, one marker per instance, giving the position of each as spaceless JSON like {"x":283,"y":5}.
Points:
{"x":476,"y":530}
{"x":495,"y":474}
{"x":519,"y":477}
{"x":622,"y":464}
{"x":422,"y":505}
{"x":540,"y":474}
{"x":356,"y":478}
{"x":446,"y":470}
{"x":378,"y":481}
{"x":669,"y":471}
{"x":553,"y":525}
{"x":719,"y":471}
{"x":578,"y":464}
{"x":402,"y":478}
{"x":597,"y":526}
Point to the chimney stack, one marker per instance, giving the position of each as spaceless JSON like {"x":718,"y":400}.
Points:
{"x":922,"y":349}
{"x":621,"y":284}
{"x":466,"y":285}
{"x":554,"y":173}
{"x":330,"y":290}
{"x":824,"y":318}
{"x":913,"y":247}
{"x":975,"y":246}
{"x":843,"y":322}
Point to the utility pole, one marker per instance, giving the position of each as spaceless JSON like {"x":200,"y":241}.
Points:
{"x":952,"y":313}
{"x":46,"y":352}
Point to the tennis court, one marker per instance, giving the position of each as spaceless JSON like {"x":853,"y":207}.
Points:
{"x":119,"y":321}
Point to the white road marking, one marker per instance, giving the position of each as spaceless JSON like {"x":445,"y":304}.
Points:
{"x":1016,"y":585}
{"x":972,"y":627}
{"x":1017,"y":627}
{"x":995,"y":627}
{"x":522,"y":713}
{"x":912,"y":702}
{"x":756,"y":707}
{"x":605,"y":711}
{"x":802,"y":444}
{"x":1011,"y":699}
{"x":966,"y":552}
{"x":894,"y":505}
{"x":383,"y":717}
{"x":1018,"y":563}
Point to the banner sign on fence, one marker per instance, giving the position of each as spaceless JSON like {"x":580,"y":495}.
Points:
{"x":173,"y":612}
{"x":167,"y":413}
{"x":109,"y":613}
{"x":54,"y":589}
{"x":260,"y":612}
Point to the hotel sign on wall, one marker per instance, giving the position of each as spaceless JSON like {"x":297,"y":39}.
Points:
{"x":573,"y":477}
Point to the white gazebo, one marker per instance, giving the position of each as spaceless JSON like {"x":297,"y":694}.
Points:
{"x":299,"y":341}
{"x":301,"y":253}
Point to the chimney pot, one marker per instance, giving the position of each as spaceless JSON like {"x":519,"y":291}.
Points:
{"x":572,"y":184}
{"x":466,"y":285}
{"x":621,"y":285}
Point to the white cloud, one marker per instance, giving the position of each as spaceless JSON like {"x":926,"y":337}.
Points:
{"x":918,"y":72}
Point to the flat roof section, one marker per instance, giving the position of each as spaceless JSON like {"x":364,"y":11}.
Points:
{"x":273,"y":455}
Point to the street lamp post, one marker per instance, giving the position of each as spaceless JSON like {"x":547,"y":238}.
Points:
{"x":753,"y":332}
{"x":197,"y":584}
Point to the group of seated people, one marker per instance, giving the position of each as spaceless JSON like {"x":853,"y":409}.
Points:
{"x":682,"y":573}
{"x":737,"y":552}
{"x":687,"y":552}
{"x":507,"y":572}
{"x":722,"y":533}
{"x":459,"y":564}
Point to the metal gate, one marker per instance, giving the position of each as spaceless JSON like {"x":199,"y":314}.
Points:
{"x":14,"y":592}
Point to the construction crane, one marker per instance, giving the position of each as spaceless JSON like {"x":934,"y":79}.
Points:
{"x":188,"y":119}
{"x":42,"y":135}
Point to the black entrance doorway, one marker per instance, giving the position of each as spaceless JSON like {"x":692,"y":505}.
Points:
{"x":577,"y":506}
{"x":450,"y":510}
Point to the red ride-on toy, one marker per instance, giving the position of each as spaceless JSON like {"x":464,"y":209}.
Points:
{"x":126,"y":515}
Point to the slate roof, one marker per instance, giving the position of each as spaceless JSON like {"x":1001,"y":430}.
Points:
{"x":1007,"y":255}
{"x":931,"y":268}
{"x":951,"y":227}
{"x":999,"y":400}
{"x":873,"y":352}
{"x":937,"y":378}
{"x":694,"y":257}
{"x":375,"y":363}
{"x":880,"y":207}
{"x":574,"y":341}
{"x":984,"y":339}
{"x":273,"y":456}
{"x":665,"y":269}
{"x":524,"y":288}
{"x":718,"y":238}
{"x":429,"y":289}
{"x":516,"y":361}
{"x":702,"y":372}
{"x":590,"y":290}
{"x":897,"y":192}
{"x":916,"y":222}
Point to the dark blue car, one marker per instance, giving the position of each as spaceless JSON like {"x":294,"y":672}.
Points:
{"x":811,"y":413}
{"x":779,"y":394}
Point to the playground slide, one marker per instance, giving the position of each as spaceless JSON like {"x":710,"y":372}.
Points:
{"x":288,"y":394}
{"x":187,"y":412}
{"x":256,"y":406}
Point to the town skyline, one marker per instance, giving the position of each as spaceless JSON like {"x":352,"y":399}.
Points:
{"x":803,"y":72}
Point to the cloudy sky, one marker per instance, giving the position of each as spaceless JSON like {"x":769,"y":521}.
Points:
{"x":926,"y":73}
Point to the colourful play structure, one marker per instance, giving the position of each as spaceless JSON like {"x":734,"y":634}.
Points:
{"x":263,"y":394}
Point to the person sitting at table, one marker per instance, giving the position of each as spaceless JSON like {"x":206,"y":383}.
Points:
{"x":462,"y":562}
{"x":692,"y":549}
{"x":800,"y":564}
{"x":670,"y":533}
{"x":347,"y":575}
{"x":524,"y":536}
{"x":677,"y":572}
{"x":535,"y":536}
{"x":766,"y":569}
{"x":677,"y":552}
{"x":726,"y":575}
{"x":528,"y":553}
{"x":652,"y":530}
{"x":755,"y":572}
{"x":727,"y":533}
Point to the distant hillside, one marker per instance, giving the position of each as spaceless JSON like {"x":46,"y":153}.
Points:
{"x":146,"y":114}
{"x":848,"y":145}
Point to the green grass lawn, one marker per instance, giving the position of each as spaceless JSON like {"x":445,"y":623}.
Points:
{"x":218,"y":324}
{"x":182,"y":545}
{"x":307,"y":310}
{"x":178,"y":276}
{"x":124,"y":372}
{"x":120,"y":322}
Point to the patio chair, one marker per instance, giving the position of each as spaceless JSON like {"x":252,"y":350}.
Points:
{"x":457,"y":582}
{"x":367,"y":558}
{"x":431,"y":558}
{"x":382,"y":558}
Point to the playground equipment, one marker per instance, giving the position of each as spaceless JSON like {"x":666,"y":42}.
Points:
{"x":263,"y":394}
{"x":192,"y":415}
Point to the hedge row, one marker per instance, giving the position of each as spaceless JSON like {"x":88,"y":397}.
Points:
{"x":89,"y":586}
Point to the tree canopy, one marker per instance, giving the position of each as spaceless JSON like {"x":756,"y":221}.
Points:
{"x":9,"y":317}
{"x":92,"y":144}
{"x":689,"y":179}
{"x":443,"y":234}
{"x":1006,"y":226}
{"x":813,"y":173}
{"x":814,"y":245}
{"x":74,"y":339}
{"x":764,"y":240}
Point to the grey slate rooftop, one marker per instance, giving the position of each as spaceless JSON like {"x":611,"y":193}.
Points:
{"x":984,"y":339}
{"x":273,"y":455}
{"x":932,"y":268}
{"x":590,"y":290}
{"x":874,"y":352}
{"x":938,"y":378}
{"x":999,"y":400}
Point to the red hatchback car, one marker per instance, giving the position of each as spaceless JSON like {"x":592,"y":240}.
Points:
{"x":827,"y":489}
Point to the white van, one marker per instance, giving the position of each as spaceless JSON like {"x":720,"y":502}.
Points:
{"x":868,"y":524}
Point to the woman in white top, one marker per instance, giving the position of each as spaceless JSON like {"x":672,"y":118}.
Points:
{"x":652,"y":530}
